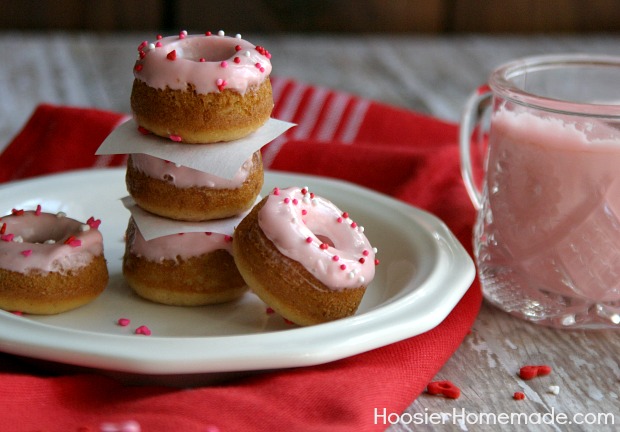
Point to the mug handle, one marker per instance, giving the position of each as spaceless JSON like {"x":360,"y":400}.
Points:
{"x":471,"y":120}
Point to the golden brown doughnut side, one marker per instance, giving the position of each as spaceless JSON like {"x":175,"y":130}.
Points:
{"x":207,"y":279}
{"x":52,"y":293}
{"x":201,"y":118}
{"x":195,"y":203}
{"x":284,"y":284}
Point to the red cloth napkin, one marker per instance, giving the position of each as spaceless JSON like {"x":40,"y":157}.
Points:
{"x":406,"y":155}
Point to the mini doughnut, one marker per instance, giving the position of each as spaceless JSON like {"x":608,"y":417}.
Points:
{"x":49,"y":263}
{"x":182,"y":193}
{"x":304,"y":257}
{"x":187,"y":269}
{"x":201,"y":88}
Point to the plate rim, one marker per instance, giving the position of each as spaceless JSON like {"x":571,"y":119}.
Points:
{"x":456,"y":261}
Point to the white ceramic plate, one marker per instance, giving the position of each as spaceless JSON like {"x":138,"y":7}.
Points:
{"x":423,"y":273}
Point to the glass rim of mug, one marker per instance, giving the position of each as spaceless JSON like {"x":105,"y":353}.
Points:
{"x":500,"y":82}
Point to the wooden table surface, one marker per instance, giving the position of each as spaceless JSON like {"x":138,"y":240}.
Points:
{"x":432,"y":75}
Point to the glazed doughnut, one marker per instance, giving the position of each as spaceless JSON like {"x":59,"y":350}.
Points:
{"x":49,"y":263}
{"x":188,"y":269}
{"x":183,"y":193}
{"x":201,"y":88}
{"x":304,"y":257}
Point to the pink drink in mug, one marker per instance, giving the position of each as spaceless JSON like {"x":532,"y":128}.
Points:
{"x":547,"y":236}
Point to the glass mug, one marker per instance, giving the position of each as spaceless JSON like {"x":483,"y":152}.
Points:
{"x":547,"y":233}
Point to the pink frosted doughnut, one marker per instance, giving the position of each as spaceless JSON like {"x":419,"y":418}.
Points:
{"x":201,"y":88}
{"x":49,"y":263}
{"x":304,"y":257}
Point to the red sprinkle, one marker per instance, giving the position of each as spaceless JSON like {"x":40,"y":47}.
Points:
{"x":335,"y":258}
{"x":237,"y":60}
{"x":7,"y":237}
{"x":73,"y":242}
{"x":518,"y":396}
{"x":237,"y":47}
{"x":175,"y":138}
{"x":27,"y":252}
{"x":138,"y":67}
{"x":308,"y":239}
{"x":123,"y":322}
{"x":3,"y":229}
{"x":37,"y":212}
{"x":528,"y":372}
{"x":16,"y":212}
{"x":276,"y":191}
{"x":362,"y":260}
{"x":172,"y":55}
{"x":93,"y":223}
{"x":324,"y":246}
{"x":143,"y":330}
{"x":269,"y":310}
{"x":445,"y":388}
{"x":345,"y":215}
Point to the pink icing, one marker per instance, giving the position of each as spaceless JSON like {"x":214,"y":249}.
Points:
{"x":210,"y":63}
{"x":184,"y":177}
{"x":32,"y":241}
{"x":314,"y":232}
{"x":175,"y":246}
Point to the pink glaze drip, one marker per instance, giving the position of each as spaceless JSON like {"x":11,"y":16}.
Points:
{"x":179,"y":246}
{"x":184,"y":177}
{"x":314,"y":232}
{"x":209,"y":63}
{"x":23,"y":246}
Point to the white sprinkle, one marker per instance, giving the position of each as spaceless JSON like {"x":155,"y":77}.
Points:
{"x":220,"y":33}
{"x":85,"y":227}
{"x":306,"y":199}
{"x":184,"y":32}
{"x":151,"y":46}
{"x":61,"y":214}
{"x":375,"y":250}
{"x":294,"y":220}
{"x":238,"y":36}
{"x":50,"y":241}
{"x":362,"y":280}
{"x":247,"y":54}
{"x":351,"y":274}
{"x":178,"y":165}
{"x":314,"y":202}
{"x":554,"y":389}
{"x":18,"y":239}
{"x":360,"y":229}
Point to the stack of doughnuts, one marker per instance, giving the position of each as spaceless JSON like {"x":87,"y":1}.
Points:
{"x":296,"y":251}
{"x":193,"y":90}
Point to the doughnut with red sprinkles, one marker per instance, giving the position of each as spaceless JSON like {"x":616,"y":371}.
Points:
{"x":294,"y":216}
{"x":48,"y":262}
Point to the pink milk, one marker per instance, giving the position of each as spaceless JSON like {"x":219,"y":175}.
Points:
{"x":549,"y":229}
